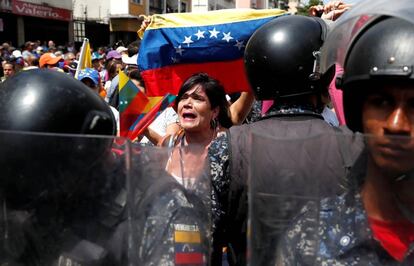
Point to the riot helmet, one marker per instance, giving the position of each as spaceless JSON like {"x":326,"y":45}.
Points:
{"x":372,"y":44}
{"x":282,"y":58}
{"x":381,"y":52}
{"x":50,"y":101}
{"x":48,"y":134}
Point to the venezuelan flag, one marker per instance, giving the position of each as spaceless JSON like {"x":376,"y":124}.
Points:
{"x":175,"y":46}
{"x":188,"y":249}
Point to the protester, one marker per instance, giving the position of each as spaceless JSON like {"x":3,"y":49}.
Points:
{"x":372,"y":222}
{"x":51,"y":46}
{"x":203,"y":114}
{"x":39,"y":51}
{"x":97,"y":61}
{"x":113,"y":55}
{"x":331,"y":11}
{"x":284,"y":69}
{"x":122,"y":50}
{"x":90,"y":77}
{"x":111,"y":70}
{"x":50,"y":61}
{"x":28,"y":50}
{"x":18,"y":60}
{"x":69,"y":57}
{"x":112,"y":96}
{"x":8,"y":70}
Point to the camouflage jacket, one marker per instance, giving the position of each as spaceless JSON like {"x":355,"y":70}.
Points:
{"x":335,"y":231}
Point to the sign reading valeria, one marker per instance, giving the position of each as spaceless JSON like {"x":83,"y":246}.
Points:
{"x":33,"y":10}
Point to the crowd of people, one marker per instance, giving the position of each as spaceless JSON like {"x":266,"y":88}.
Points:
{"x":227,"y":190}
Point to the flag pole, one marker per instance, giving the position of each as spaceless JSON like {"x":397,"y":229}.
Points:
{"x":81,"y":57}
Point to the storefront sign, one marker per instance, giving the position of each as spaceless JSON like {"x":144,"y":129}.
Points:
{"x":47,"y":12}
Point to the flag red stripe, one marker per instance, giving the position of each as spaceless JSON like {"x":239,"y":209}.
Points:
{"x":168,"y":79}
{"x":188,"y":258}
{"x":131,"y":113}
{"x":144,"y":122}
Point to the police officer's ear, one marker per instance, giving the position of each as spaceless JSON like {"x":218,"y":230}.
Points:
{"x":339,"y":81}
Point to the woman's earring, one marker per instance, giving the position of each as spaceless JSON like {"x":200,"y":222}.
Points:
{"x":214,"y":123}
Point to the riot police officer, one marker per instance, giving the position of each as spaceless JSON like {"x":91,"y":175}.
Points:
{"x":372,"y":222}
{"x":58,"y":187}
{"x":282,"y":63}
{"x":63,"y":184}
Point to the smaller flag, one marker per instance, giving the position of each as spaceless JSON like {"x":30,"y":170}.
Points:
{"x":144,"y":121}
{"x":85,"y":60}
{"x":132,"y":104}
{"x":187,"y":245}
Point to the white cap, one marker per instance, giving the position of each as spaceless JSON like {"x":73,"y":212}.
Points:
{"x":121,"y":49}
{"x":133,"y":60}
{"x":17,"y":54}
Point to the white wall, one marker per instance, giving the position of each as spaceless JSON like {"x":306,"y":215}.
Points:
{"x":95,"y":9}
{"x":66,"y":4}
{"x":119,"y":7}
{"x":199,"y":6}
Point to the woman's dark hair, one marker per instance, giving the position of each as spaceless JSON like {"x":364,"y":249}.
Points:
{"x":133,"y":47}
{"x":215,"y":93}
{"x":112,"y":69}
{"x":135,"y":74}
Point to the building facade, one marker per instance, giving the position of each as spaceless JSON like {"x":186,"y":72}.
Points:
{"x":91,"y":20}
{"x":30,"y":20}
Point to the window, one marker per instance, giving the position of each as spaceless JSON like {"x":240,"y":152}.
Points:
{"x":139,"y":2}
{"x":79,"y":30}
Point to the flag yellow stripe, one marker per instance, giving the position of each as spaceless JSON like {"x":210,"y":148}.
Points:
{"x":211,"y":18}
{"x":152,"y":101}
{"x":123,"y":79}
{"x":187,"y":237}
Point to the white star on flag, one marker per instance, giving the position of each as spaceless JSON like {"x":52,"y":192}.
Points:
{"x":179,"y":50}
{"x":213,"y":33}
{"x":200,"y":35}
{"x":187,"y":40}
{"x":239,"y":45}
{"x":227,"y":37}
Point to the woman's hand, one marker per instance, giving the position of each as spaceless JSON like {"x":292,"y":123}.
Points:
{"x":144,"y":25}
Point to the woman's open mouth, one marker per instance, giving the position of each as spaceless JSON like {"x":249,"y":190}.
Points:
{"x":189,"y":116}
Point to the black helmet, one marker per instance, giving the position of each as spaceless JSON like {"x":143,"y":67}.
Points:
{"x":50,"y":101}
{"x":381,"y":52}
{"x":39,"y":109}
{"x":282,"y":58}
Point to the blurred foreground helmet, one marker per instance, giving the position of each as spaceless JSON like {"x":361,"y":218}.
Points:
{"x":45,"y":116}
{"x":282,"y":58}
{"x":49,"y":101}
{"x":381,"y":52}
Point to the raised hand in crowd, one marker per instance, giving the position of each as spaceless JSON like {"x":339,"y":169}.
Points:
{"x":145,"y":23}
{"x":331,"y":11}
